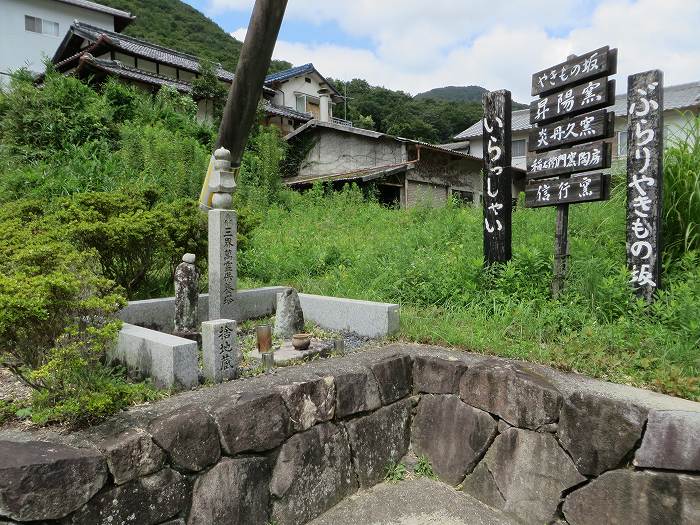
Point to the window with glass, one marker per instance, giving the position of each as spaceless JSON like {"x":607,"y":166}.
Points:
{"x":301,"y":103}
{"x":464,"y":197}
{"x":622,"y":143}
{"x":519,"y":147}
{"x":39,"y":25}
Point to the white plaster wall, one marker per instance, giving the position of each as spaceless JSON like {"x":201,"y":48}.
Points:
{"x":285,"y":92}
{"x":21,"y":48}
{"x":338,"y":152}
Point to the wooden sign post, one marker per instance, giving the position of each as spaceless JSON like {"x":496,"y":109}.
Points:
{"x":498,"y":205}
{"x":568,"y":139}
{"x":644,"y":180}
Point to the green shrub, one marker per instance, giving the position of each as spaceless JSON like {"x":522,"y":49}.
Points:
{"x":36,"y":123}
{"x":57,"y":317}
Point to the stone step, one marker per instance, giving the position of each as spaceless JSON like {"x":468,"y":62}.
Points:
{"x":413,"y":502}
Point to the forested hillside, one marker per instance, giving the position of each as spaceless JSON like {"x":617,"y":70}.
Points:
{"x":398,"y":113}
{"x":175,"y":24}
{"x":459,"y":94}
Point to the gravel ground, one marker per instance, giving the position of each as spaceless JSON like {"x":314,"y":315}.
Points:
{"x":11,"y":388}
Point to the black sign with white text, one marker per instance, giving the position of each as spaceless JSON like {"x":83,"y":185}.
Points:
{"x":583,"y":128}
{"x":595,"y":64}
{"x":586,"y":157}
{"x":645,"y":107}
{"x":575,"y":100}
{"x":580,"y":188}
{"x":497,"y":176}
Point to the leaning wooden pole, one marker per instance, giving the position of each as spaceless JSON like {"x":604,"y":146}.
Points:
{"x":247,"y":85}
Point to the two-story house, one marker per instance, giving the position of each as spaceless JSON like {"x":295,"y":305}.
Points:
{"x":291,"y":97}
{"x":31,"y":30}
{"x":681,"y":102}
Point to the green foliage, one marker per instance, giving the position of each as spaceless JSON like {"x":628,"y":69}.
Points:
{"x":56,"y":320}
{"x":208,"y":87}
{"x":132,"y":235}
{"x":35,"y":123}
{"x":259,"y":178}
{"x":423,"y":468}
{"x":147,"y":140}
{"x":429,"y":260}
{"x":395,"y":472}
{"x":397,"y":113}
{"x":177,"y":25}
{"x":681,"y":217}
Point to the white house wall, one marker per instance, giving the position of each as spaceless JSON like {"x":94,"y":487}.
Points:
{"x":20,"y":48}
{"x":285,"y":92}
{"x":336,"y":152}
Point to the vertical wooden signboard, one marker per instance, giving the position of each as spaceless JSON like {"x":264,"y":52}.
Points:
{"x":568,"y":139}
{"x":644,"y":180}
{"x":498,"y":206}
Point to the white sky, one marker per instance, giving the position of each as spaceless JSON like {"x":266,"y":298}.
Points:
{"x":416,"y":45}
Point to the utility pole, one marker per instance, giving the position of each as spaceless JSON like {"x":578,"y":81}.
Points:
{"x":247,"y":85}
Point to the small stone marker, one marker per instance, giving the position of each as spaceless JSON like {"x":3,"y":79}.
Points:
{"x":220,"y":351}
{"x":186,"y":297}
{"x":289,"y":317}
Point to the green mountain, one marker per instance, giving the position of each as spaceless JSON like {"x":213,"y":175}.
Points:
{"x":454,"y":94}
{"x":459,"y":94}
{"x":174,"y":24}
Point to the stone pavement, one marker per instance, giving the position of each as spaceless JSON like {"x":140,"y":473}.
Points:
{"x":413,"y":502}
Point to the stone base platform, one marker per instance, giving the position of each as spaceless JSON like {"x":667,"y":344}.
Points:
{"x":414,"y":502}
{"x":287,"y":353}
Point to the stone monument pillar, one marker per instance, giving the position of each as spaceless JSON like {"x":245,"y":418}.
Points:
{"x":223,"y":274}
{"x":221,"y":354}
{"x":186,"y":298}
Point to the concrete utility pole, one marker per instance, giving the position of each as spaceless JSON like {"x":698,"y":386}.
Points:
{"x":246,"y":89}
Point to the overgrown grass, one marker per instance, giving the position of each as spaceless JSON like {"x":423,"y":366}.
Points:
{"x":430,"y":261}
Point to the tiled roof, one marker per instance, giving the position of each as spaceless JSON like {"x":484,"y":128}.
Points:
{"x":375,"y":135}
{"x":125,"y":18}
{"x":295,"y":72}
{"x":144,"y":49}
{"x":284,"y":111}
{"x":290,"y":73}
{"x":364,"y":175}
{"x":114,"y":67}
{"x":675,"y":97}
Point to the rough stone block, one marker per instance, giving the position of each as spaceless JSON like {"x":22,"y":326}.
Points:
{"x":313,"y":472}
{"x":146,"y":501}
{"x":131,"y":454}
{"x":452,"y":434}
{"x":639,"y":498}
{"x":378,"y":440}
{"x":394,"y":377}
{"x":289,"y":317}
{"x":222,"y":265}
{"x":221,"y":354}
{"x":189,"y":436}
{"x":41,"y":480}
{"x":671,"y":441}
{"x":356,"y":391}
{"x":522,"y":397}
{"x":366,"y":318}
{"x":598,"y":432}
{"x":252,"y":421}
{"x":309,"y":402}
{"x":234,"y":492}
{"x":435,"y":375}
{"x":529,"y":470}
{"x":170,"y":360}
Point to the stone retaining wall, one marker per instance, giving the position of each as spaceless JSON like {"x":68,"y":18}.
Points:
{"x":544,"y":446}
